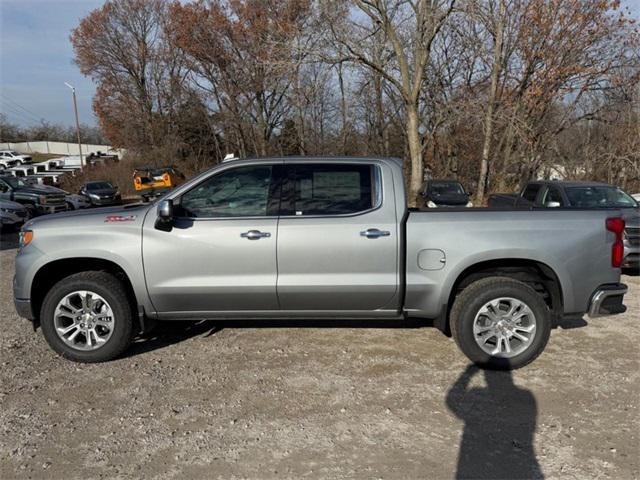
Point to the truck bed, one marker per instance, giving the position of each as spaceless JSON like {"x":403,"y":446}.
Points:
{"x":442,"y":243}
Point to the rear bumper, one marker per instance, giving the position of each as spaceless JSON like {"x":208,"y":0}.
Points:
{"x":607,"y":300}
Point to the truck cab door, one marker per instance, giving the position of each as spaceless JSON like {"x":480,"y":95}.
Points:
{"x":220,"y":254}
{"x":338,"y":239}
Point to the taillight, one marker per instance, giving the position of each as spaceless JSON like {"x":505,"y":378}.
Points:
{"x":616,"y":225}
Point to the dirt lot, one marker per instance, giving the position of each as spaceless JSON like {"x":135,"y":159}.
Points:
{"x":212,"y":401}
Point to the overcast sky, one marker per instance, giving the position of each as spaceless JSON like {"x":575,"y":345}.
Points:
{"x":36,"y":59}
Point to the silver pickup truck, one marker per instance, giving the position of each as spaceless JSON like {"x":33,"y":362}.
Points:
{"x":311,"y":238}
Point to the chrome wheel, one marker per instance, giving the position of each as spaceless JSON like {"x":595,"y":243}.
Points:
{"x":83,"y":320}
{"x":504,"y":327}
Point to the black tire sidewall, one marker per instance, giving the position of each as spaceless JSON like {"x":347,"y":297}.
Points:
{"x":477,"y":298}
{"x":107,"y":287}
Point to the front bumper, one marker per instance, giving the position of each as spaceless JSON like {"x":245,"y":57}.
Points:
{"x":116,"y":200}
{"x":607,"y":300}
{"x":23,"y":307}
{"x":47,"y":209}
{"x":11,"y":218}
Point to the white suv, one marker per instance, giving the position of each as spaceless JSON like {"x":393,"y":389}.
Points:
{"x":11,"y":158}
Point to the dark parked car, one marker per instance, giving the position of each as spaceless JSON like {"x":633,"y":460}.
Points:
{"x":37,"y":199}
{"x":445,"y":193}
{"x":101,"y":193}
{"x":583,"y":195}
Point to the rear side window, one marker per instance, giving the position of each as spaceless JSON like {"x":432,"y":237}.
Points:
{"x":329,"y":189}
{"x":531,"y":192}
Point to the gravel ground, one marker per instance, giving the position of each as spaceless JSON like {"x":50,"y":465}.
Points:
{"x":209,"y":400}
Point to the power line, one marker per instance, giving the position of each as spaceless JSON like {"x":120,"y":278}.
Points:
{"x":16,"y":104}
{"x":21,"y":116}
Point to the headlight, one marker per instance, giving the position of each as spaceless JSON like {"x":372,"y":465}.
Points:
{"x":469,"y":204}
{"x":430,"y":204}
{"x":6,"y":210}
{"x":42,"y":199}
{"x":25,"y":238}
{"x":93,"y":195}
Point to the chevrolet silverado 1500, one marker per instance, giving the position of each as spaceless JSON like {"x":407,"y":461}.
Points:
{"x":312,"y":238}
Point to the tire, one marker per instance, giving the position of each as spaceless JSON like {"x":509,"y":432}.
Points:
{"x":31,"y":212}
{"x":70,"y":206}
{"x":100,"y":284}
{"x":18,"y":163}
{"x":468,"y":309}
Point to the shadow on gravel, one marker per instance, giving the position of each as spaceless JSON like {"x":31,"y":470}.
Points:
{"x":572,"y":322}
{"x":499,"y":426}
{"x":170,"y":333}
{"x":8,"y":239}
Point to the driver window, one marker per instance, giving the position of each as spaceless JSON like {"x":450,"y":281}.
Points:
{"x":238,"y":192}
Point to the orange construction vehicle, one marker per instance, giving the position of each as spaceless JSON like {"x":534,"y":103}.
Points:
{"x":152,"y":182}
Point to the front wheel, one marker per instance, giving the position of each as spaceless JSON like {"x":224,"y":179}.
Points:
{"x":86,"y":317}
{"x":500,"y":323}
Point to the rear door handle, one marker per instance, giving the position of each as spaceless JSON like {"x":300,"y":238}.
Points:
{"x":374,"y":233}
{"x":255,"y":235}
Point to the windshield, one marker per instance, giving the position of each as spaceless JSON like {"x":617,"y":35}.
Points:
{"x":599,"y":197}
{"x":99,"y":186}
{"x":14,"y":153}
{"x":447,"y":188}
{"x":14,"y":182}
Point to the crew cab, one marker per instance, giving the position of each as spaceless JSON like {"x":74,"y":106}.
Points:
{"x":310,"y":238}
{"x":14,"y":157}
{"x":37,"y":199}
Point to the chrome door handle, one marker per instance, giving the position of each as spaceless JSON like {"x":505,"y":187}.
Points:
{"x":374,"y":233}
{"x":255,"y":234}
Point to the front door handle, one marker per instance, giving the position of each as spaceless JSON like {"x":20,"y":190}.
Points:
{"x":255,"y":235}
{"x":374,"y":233}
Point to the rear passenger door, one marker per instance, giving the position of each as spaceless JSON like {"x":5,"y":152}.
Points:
{"x":337,"y":239}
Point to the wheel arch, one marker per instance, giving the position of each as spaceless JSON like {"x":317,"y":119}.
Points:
{"x":540,"y":276}
{"x":51,"y":273}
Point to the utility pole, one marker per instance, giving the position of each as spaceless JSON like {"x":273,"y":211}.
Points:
{"x":75,"y":108}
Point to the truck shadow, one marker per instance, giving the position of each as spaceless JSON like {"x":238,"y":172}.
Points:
{"x":570,"y":323}
{"x":171,"y":332}
{"x":168,"y":333}
{"x":499,"y":427}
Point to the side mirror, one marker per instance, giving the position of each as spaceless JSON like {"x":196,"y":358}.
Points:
{"x":165,"y":215}
{"x":552,"y":204}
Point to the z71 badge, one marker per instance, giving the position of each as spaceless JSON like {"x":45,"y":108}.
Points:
{"x":119,"y":218}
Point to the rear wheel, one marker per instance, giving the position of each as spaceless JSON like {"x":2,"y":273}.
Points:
{"x":500,"y":323}
{"x":18,"y":163}
{"x":87,"y":317}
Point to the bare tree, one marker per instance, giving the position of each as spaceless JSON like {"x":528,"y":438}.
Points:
{"x":407,"y":30}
